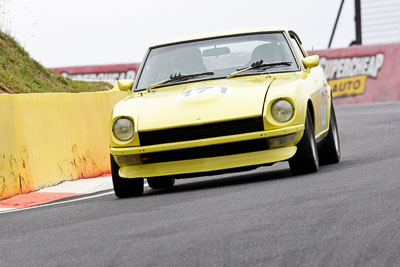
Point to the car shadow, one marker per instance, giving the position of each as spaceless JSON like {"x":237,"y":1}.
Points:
{"x":249,"y":177}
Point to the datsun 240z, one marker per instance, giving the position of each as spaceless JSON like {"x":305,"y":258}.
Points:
{"x":222,"y":103}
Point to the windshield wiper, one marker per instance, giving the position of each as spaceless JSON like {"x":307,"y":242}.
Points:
{"x":178,"y":77}
{"x":258,"y":65}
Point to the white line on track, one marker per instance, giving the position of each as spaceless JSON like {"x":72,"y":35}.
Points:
{"x":61,"y":202}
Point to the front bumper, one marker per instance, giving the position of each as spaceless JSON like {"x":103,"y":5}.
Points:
{"x":208,"y":164}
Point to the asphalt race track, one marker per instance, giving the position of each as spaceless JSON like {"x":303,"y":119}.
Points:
{"x":345,"y":215}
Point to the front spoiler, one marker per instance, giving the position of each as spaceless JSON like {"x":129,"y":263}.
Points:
{"x":207,"y":164}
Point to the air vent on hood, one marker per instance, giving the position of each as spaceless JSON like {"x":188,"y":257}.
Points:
{"x":201,"y":131}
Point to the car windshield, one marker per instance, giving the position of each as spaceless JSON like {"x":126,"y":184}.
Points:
{"x":222,"y":56}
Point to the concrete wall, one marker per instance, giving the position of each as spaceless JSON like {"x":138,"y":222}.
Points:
{"x":49,"y":138}
{"x":362,"y":73}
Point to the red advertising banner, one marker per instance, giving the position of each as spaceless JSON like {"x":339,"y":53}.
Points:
{"x":362,"y":74}
{"x":107,"y":73}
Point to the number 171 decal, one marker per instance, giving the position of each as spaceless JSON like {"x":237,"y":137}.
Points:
{"x":211,"y":90}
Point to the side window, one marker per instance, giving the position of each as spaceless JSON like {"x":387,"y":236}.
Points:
{"x":298,"y":49}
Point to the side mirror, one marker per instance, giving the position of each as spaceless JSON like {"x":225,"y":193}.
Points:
{"x":310,"y":62}
{"x":125,"y":85}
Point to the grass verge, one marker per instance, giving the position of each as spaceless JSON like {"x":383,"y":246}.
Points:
{"x":19,"y":73}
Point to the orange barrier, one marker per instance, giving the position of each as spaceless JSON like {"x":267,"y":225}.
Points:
{"x":49,"y":138}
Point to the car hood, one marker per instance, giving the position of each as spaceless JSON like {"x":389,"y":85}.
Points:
{"x":199,"y":102}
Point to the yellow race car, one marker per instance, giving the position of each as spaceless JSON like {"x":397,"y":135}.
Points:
{"x":222,"y":103}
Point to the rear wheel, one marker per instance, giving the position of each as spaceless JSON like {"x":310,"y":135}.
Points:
{"x":306,"y":158}
{"x":329,"y":152}
{"x":125,"y":187}
{"x":158,"y":183}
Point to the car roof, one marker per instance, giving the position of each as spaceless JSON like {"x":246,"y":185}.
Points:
{"x":225,"y":33}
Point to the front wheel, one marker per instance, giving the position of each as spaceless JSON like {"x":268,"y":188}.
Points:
{"x":306,"y":158}
{"x":329,"y":152}
{"x":125,"y":187}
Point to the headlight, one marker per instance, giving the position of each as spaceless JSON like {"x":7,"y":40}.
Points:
{"x":282,"y":110}
{"x":123,"y":129}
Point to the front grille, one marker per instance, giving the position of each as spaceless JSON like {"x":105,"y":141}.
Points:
{"x":201,"y":131}
{"x":206,"y":151}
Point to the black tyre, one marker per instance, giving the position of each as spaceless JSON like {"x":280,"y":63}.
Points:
{"x":306,"y":158}
{"x":125,"y":187}
{"x":329,"y":152}
{"x":158,"y":183}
